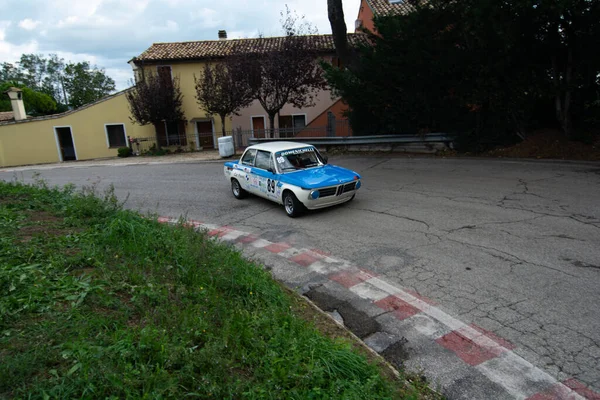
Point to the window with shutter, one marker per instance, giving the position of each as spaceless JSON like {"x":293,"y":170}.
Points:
{"x":115,"y":134}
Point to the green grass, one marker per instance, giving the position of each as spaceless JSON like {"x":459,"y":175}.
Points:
{"x":99,"y":302}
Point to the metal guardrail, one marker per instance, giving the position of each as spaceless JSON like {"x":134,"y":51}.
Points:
{"x":364,"y":140}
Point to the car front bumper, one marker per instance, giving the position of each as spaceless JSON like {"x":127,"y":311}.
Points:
{"x":341,"y":194}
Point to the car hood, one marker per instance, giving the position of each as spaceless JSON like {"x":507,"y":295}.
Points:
{"x":314,"y":178}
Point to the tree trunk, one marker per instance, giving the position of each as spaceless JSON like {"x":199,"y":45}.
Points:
{"x":566,"y":120}
{"x":335,"y":12}
{"x":223,"y":125}
{"x":161,"y":133}
{"x":271,"y":126}
{"x":562,"y":96}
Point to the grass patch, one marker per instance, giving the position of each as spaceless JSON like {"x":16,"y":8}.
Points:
{"x":99,"y":302}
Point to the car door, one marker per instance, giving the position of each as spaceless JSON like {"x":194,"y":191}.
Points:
{"x":244,"y":172}
{"x":265,"y":176}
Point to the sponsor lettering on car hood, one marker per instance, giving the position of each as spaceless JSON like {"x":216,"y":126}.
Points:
{"x":314,"y":178}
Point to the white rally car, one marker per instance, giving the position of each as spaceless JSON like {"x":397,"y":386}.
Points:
{"x":293,"y":174}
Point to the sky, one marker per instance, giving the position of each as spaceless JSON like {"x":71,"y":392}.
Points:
{"x":108,"y":33}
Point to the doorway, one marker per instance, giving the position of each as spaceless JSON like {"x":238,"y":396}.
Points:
{"x":258,"y":126}
{"x":205,"y":134}
{"x":64,"y":141}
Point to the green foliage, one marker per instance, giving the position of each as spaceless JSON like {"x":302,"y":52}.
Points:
{"x":154,"y":100}
{"x":481,"y":69}
{"x":70,"y":85}
{"x":104,"y":303}
{"x":35,"y":103}
{"x":86,"y":84}
{"x":124,"y":152}
{"x":154,"y":151}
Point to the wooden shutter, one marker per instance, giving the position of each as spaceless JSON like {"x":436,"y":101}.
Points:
{"x":161,"y":134}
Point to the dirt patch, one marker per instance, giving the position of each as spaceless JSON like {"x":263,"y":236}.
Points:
{"x":357,"y":321}
{"x":328,"y":327}
{"x":38,"y":223}
{"x":396,"y":353}
{"x":79,"y":272}
{"x":551,"y":144}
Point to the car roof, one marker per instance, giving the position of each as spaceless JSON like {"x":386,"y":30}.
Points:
{"x":279,"y":146}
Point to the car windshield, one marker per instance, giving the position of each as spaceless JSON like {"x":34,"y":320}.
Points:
{"x":297,"y":159}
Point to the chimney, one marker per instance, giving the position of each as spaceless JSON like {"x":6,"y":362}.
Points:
{"x":222,"y":35}
{"x":16,"y":101}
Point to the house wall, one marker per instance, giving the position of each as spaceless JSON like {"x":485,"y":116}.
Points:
{"x":185,"y":71}
{"x":365,"y":14}
{"x":322,"y":103}
{"x":34,"y":142}
{"x":338,"y":109}
{"x":192,"y":110}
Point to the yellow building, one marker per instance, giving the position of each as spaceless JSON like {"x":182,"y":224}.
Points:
{"x":95,"y":130}
{"x":186,"y":59}
{"x":98,"y":129}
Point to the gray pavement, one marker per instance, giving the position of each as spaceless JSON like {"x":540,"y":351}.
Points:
{"x":512,"y":247}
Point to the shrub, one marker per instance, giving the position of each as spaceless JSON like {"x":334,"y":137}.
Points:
{"x":124,"y":152}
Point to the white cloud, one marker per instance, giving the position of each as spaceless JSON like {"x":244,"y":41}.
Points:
{"x":109,"y":33}
{"x":3,"y":27}
{"x":28,"y":24}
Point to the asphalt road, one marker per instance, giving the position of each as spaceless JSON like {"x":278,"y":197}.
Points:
{"x":511,"y":246}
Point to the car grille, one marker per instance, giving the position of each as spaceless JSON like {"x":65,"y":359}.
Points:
{"x":337,"y":190}
{"x":327,"y":191}
{"x":349,"y":186}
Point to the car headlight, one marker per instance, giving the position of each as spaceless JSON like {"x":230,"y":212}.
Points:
{"x":314,"y":194}
{"x":357,"y":185}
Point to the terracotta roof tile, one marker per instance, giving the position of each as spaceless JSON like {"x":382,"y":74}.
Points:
{"x":223,"y":48}
{"x":60,"y":115}
{"x":6,"y":116}
{"x":385,"y":7}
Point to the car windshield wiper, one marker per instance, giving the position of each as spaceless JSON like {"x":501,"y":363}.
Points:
{"x":288,"y":168}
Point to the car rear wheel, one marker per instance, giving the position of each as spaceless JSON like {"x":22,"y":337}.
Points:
{"x":293,"y":206}
{"x":237,"y":190}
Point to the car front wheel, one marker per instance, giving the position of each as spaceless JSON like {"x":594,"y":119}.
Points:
{"x":293,"y":206}
{"x":237,"y":190}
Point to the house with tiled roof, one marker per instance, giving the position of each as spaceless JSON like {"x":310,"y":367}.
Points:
{"x":98,"y":129}
{"x":187,"y":59}
{"x":95,"y":130}
{"x":370,"y":9}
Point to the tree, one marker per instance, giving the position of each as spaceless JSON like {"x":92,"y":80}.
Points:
{"x":567,"y":33}
{"x":335,"y":12}
{"x":481,"y":68}
{"x":34,"y":69}
{"x":36,"y":103}
{"x":85,"y":84}
{"x":223,"y":89}
{"x":10,"y":73}
{"x":71,"y":85}
{"x":289,"y":74}
{"x":53,"y":82}
{"x":155,"y":101}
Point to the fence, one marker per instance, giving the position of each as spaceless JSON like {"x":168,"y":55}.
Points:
{"x":241,"y":138}
{"x":336,"y":128}
{"x":171,"y":144}
{"x":427,"y":143}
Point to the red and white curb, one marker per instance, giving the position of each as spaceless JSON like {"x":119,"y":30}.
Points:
{"x":491,"y":355}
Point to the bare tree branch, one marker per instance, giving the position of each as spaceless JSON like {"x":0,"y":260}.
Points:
{"x":223,"y":89}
